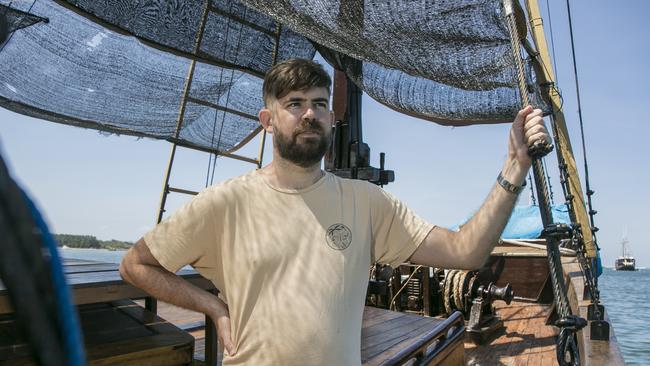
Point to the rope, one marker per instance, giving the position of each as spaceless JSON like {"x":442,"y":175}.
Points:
{"x":532,"y":190}
{"x":223,"y":113}
{"x":548,"y":177}
{"x":582,"y":132}
{"x":566,"y":343}
{"x":216,"y":112}
{"x":392,"y":301}
{"x":563,"y":251}
{"x":593,"y":284}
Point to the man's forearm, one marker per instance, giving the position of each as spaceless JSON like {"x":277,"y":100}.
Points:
{"x":481,"y":233}
{"x":140,"y":268}
{"x":170,"y":288}
{"x":471,"y":245}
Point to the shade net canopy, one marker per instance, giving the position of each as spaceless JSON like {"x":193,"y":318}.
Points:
{"x":122,"y":65}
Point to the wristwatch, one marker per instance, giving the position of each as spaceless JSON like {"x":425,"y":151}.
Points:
{"x":509,"y":186}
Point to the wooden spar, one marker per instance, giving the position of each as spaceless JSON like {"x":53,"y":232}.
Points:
{"x":564,"y":149}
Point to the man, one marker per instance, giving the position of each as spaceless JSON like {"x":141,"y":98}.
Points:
{"x":289,"y":246}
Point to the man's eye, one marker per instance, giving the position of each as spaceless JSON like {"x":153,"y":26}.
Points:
{"x":294,"y":105}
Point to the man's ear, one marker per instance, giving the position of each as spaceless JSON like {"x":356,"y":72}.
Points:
{"x":332,"y":119}
{"x":265,"y":116}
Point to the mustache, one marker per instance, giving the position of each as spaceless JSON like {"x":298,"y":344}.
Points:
{"x":310,"y":125}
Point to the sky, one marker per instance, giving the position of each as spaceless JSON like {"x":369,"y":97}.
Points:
{"x":109,"y":186}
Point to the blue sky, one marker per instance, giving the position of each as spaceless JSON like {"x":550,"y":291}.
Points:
{"x":109,"y":186}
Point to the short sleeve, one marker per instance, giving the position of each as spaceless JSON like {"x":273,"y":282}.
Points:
{"x":396,"y":230}
{"x":187,"y":235}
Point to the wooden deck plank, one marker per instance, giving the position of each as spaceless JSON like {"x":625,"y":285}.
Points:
{"x":376,"y":316}
{"x":118,"y":333}
{"x":524,"y":341}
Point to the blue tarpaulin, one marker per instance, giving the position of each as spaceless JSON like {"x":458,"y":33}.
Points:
{"x":526,"y":222}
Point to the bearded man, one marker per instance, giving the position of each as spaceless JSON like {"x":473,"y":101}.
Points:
{"x":289,"y":246}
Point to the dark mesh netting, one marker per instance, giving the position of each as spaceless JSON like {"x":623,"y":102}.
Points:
{"x":235,"y":35}
{"x":74,"y":71}
{"x":445,"y":61}
{"x":17,"y":19}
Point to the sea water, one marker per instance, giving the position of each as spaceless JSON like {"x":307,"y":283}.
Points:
{"x":627,"y":303}
{"x":625,"y":295}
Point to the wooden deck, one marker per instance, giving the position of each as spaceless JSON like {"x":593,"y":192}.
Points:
{"x":525,"y":339}
{"x":385,"y":334}
{"x":185,"y":319}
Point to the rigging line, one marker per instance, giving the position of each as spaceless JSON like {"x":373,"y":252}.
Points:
{"x":550,"y":25}
{"x":19,"y":23}
{"x":232,"y":77}
{"x":532,"y":190}
{"x":582,"y":133}
{"x":216,"y":112}
{"x":548,"y":177}
{"x":392,"y":301}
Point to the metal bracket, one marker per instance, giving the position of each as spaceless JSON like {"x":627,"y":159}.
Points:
{"x":599,"y":330}
{"x":557,"y":230}
{"x":595,"y":312}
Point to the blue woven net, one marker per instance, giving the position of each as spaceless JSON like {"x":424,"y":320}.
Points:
{"x":121,"y":66}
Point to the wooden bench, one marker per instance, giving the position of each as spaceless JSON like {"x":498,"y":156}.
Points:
{"x":115,"y":333}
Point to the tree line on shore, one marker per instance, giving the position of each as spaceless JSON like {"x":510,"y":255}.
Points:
{"x":90,"y":242}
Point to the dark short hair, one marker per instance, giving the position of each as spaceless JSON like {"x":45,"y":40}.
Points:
{"x":294,"y":74}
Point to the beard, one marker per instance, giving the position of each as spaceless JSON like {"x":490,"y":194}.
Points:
{"x":309,"y":151}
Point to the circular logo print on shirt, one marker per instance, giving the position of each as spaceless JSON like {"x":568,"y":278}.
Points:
{"x":338,"y":236}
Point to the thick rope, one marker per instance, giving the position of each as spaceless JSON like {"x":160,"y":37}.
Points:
{"x":567,"y":340}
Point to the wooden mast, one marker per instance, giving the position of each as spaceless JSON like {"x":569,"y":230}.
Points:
{"x":564,"y":150}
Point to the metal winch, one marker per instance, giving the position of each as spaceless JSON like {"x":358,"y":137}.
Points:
{"x":438,"y":292}
{"x":467,"y":292}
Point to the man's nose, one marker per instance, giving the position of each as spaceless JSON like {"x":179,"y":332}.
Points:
{"x":309,"y":113}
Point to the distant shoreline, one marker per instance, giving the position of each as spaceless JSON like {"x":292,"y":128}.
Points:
{"x":89,"y":242}
{"x":65,"y":247}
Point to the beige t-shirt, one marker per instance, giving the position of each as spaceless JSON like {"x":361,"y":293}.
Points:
{"x":292,"y":265}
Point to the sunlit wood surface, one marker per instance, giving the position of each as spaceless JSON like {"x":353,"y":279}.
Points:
{"x":525,"y":339}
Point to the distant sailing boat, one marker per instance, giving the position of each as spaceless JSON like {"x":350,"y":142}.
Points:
{"x":625,"y":262}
